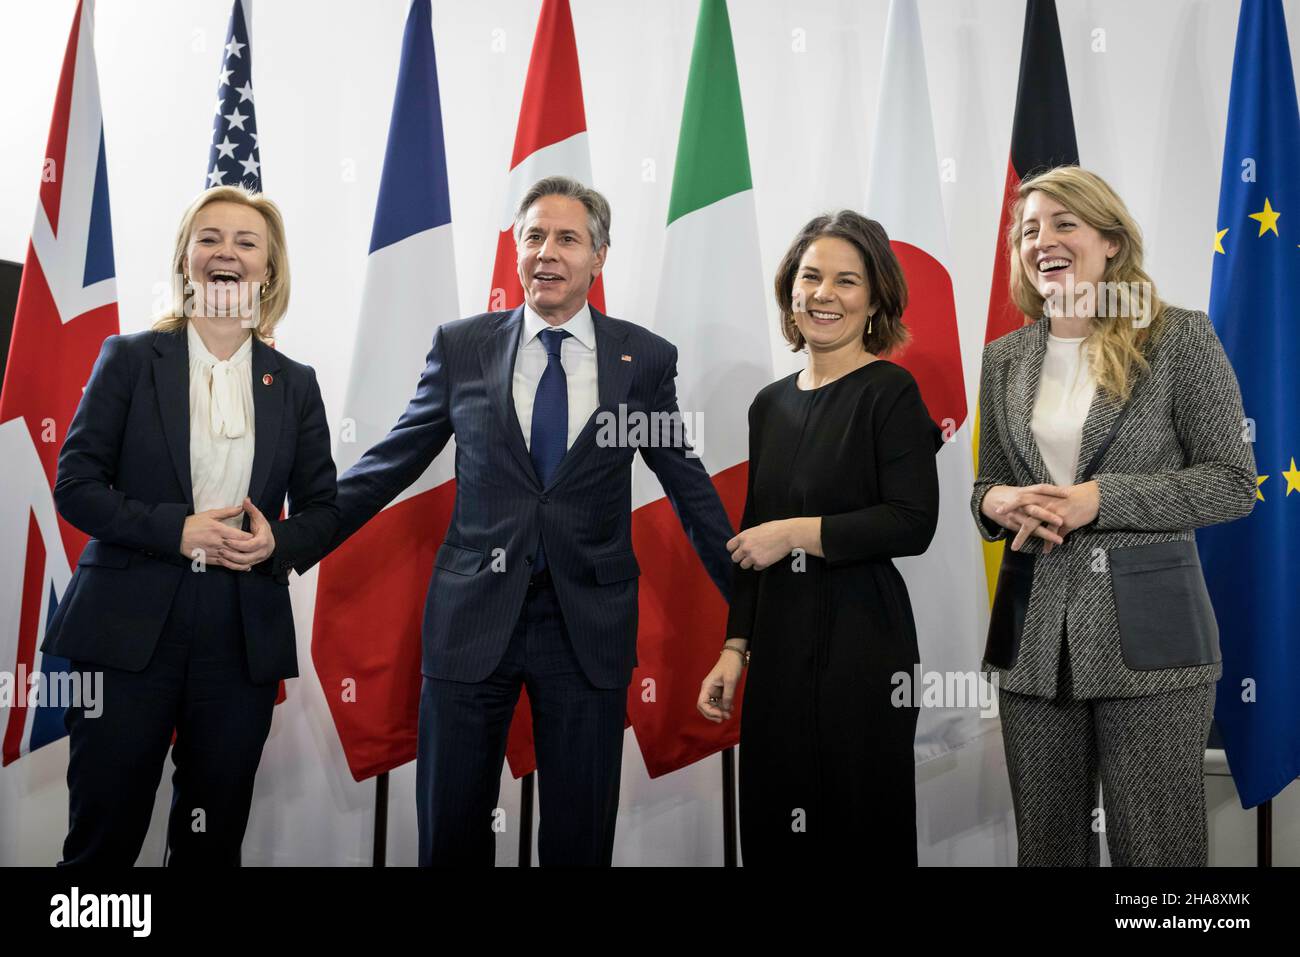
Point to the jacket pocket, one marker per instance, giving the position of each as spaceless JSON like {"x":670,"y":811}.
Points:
{"x":102,"y":555}
{"x":1010,"y":604}
{"x":1163,"y":607}
{"x":616,"y":568}
{"x":459,"y":560}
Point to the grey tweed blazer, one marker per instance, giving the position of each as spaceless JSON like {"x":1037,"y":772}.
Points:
{"x":1179,"y":461}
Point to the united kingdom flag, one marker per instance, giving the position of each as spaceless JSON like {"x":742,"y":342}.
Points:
{"x":234,"y":156}
{"x":67,"y":306}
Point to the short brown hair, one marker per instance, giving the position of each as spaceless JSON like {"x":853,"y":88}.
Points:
{"x":885,"y":279}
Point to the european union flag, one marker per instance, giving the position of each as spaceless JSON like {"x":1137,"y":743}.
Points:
{"x":1255,"y":307}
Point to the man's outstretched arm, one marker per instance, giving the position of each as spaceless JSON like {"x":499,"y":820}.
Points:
{"x":690,"y":489}
{"x":400,"y":457}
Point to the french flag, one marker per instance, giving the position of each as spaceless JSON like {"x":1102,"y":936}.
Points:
{"x":370,"y":594}
{"x":67,"y":306}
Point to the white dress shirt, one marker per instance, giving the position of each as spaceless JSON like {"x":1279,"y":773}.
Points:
{"x":221,"y":426}
{"x":1065,"y":393}
{"x":577,"y":356}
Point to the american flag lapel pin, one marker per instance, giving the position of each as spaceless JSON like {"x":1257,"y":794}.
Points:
{"x":626,"y":358}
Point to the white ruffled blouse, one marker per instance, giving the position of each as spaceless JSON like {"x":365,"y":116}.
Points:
{"x":221,"y":426}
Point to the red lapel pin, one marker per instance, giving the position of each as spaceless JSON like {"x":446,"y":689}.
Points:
{"x":266,"y":379}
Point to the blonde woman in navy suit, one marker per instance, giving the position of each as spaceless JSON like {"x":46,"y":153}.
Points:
{"x":186,"y":441}
{"x":1110,"y":429}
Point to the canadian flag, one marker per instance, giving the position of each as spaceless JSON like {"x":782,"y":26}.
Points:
{"x":946,"y":583}
{"x":551,"y":140}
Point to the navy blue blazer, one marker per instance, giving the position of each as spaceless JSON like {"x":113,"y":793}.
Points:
{"x":124,"y":478}
{"x":584,"y":514}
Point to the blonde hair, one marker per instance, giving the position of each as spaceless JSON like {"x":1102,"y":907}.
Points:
{"x":275,"y":290}
{"x":1118,"y":348}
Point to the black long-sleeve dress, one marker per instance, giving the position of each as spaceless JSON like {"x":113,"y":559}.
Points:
{"x":826,"y":767}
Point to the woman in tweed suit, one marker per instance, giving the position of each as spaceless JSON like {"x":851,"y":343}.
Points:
{"x":1111,"y":427}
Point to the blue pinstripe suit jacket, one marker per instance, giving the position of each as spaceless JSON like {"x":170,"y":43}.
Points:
{"x":501,"y":509}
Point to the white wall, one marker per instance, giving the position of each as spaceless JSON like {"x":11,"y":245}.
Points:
{"x":1150,"y":113}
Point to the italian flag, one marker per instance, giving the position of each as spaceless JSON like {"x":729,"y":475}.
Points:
{"x":712,"y":306}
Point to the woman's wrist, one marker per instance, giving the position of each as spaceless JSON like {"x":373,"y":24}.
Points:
{"x":804,"y":533}
{"x":744,"y":655}
{"x":984,"y":506}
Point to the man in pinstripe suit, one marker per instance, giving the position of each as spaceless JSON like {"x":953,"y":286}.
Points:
{"x":536,"y":582}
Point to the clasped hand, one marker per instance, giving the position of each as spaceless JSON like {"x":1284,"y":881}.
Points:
{"x":1045,"y":511}
{"x":206,"y":535}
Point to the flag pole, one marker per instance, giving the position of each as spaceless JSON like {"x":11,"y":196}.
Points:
{"x":1264,"y":834}
{"x":380,"y":853}
{"x":526,"y":819}
{"x":729,"y":807}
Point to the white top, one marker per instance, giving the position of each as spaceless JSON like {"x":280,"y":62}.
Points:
{"x":1065,"y":393}
{"x":577,"y":356}
{"x":221,"y":426}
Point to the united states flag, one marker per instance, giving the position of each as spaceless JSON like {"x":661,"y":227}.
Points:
{"x":234,"y":156}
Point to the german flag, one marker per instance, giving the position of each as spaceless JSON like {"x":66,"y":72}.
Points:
{"x":1042,"y":136}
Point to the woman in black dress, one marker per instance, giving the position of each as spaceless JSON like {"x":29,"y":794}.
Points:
{"x":842,"y":479}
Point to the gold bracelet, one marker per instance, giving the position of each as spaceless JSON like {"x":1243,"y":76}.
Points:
{"x":744,"y":655}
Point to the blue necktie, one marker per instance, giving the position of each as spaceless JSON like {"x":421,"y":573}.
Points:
{"x":550,"y":429}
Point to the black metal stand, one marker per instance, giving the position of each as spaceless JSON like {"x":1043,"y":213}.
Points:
{"x":380,"y":853}
{"x":526,"y":819}
{"x":1264,"y":834}
{"x":729,"y":807}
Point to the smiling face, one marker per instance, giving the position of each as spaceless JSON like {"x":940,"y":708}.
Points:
{"x":557,"y":261}
{"x":226,"y":258}
{"x":1056,"y":245}
{"x":831,"y":297}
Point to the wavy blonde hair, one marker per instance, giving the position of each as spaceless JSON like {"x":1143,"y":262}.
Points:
{"x":1118,"y":348}
{"x":275,"y":291}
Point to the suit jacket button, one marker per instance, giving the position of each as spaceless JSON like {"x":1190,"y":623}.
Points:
{"x":528,"y":559}
{"x":544,"y":499}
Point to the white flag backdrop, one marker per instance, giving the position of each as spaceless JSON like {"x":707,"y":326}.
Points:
{"x":1149,"y":83}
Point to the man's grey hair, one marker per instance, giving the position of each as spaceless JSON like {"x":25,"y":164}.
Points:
{"x":597,"y":206}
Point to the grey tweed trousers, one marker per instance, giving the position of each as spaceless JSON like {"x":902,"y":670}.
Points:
{"x":1148,"y":753}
